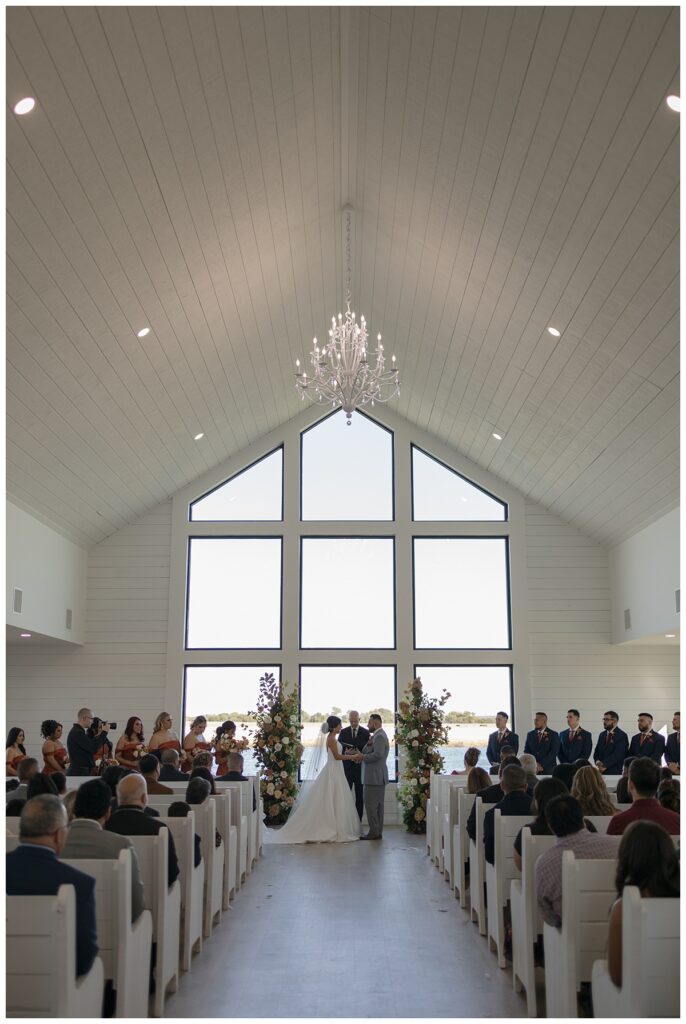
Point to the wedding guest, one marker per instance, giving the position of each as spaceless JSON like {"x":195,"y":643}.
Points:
{"x":590,"y":790}
{"x":499,"y":740}
{"x":81,"y":746}
{"x":88,"y":839}
{"x":13,"y":808}
{"x":470,"y":760}
{"x":580,"y":763}
{"x":648,"y":860}
{"x":163,"y":736}
{"x":612,"y":746}
{"x":206,"y":774}
{"x":490,"y":795}
{"x":130,"y":818}
{"x":622,"y":792}
{"x":224,"y":737}
{"x":545,"y":790}
{"x":111,"y":777}
{"x":69,"y":799}
{"x":478,"y":780}
{"x":60,"y":780}
{"x":235,"y":773}
{"x":194,"y":741}
{"x":55,"y":756}
{"x":644,"y":778}
{"x":203,"y":759}
{"x":15,"y":751}
{"x":647,"y":743}
{"x":26,"y":769}
{"x":169,"y":768}
{"x":669,"y":795}
{"x":565,"y":773}
{"x":528,"y":763}
{"x":104,"y":754}
{"x":131,"y":744}
{"x":516,"y":801}
{"x":575,"y":742}
{"x":33,"y":869}
{"x":543,"y":743}
{"x":11,"y":784}
{"x":150,"y":770}
{"x":566,"y":821}
{"x":673,"y":746}
{"x":198,"y":792}
{"x":39,"y":785}
{"x":180,"y":809}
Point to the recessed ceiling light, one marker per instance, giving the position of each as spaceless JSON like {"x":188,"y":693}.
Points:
{"x":498,"y":437}
{"x":198,"y":436}
{"x":142,"y":332}
{"x":670,"y":636}
{"x":25,"y":634}
{"x":554,"y":331}
{"x":673,"y":102}
{"x":24,"y":106}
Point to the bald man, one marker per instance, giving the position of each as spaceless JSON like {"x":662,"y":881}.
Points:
{"x":130,"y":818}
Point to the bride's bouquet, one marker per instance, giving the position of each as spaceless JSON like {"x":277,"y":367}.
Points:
{"x":277,"y":748}
{"x":421,"y":731}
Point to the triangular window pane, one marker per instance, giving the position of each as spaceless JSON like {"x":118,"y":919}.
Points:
{"x":440,"y":494}
{"x":254,"y":494}
{"x":347,"y":470}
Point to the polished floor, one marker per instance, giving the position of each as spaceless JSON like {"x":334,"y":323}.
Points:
{"x":349,"y":930}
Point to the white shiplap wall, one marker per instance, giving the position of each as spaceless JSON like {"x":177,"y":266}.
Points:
{"x":121,"y":668}
{"x":572,"y":662}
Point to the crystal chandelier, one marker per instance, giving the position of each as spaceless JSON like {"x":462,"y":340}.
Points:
{"x":345,"y":373}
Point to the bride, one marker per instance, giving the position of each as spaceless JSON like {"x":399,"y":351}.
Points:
{"x":325,"y":810}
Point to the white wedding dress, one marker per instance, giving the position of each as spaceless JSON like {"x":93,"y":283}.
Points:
{"x":325,"y":810}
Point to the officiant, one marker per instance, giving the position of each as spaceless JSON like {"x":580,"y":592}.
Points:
{"x":354,"y":736}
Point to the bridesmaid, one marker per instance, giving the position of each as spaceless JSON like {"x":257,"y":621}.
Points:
{"x":54,"y":752}
{"x":223,"y":741}
{"x":14,"y":750}
{"x":163,"y":737}
{"x":130,"y":741}
{"x":194,"y":741}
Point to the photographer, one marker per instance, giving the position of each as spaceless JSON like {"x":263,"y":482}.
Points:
{"x":83,"y":747}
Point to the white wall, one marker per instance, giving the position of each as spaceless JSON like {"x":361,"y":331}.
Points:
{"x":51,"y":573}
{"x":644,"y":574}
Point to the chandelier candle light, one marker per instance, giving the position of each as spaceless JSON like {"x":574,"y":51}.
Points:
{"x":345,"y":372}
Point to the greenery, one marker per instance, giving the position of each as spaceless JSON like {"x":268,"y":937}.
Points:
{"x":277,"y":748}
{"x":468,"y":718}
{"x":320,"y":716}
{"x":421,"y":730}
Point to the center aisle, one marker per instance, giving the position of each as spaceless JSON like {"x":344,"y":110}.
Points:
{"x":346,"y":930}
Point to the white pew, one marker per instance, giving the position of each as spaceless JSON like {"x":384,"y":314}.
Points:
{"x":449,"y":823}
{"x":650,"y":961}
{"x":601,"y":821}
{"x":206,"y":826}
{"x":465,"y":802}
{"x":499,"y":877}
{"x":124,"y":947}
{"x":11,"y":843}
{"x":41,"y":959}
{"x":447,"y":810}
{"x":229,"y":834}
{"x":477,"y":869}
{"x":259,"y":814}
{"x":164,"y":903}
{"x":192,"y":883}
{"x":527,"y":923}
{"x":588,"y":891}
{"x":241,"y":817}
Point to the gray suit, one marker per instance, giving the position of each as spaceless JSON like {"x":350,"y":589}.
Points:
{"x":375,"y":779}
{"x":87,"y":839}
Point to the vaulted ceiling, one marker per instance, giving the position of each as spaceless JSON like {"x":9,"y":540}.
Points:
{"x":184,"y":169}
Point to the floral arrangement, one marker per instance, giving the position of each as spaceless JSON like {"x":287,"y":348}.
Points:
{"x":420,"y":729}
{"x":140,"y":751}
{"x":277,"y":748}
{"x":231,"y":745}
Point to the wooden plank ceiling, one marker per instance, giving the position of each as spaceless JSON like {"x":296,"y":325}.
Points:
{"x":185,"y":168}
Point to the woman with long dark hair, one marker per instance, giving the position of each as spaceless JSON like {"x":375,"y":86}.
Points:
{"x":224,"y":738}
{"x":131,"y":744}
{"x":15,"y":751}
{"x":55,"y":756}
{"x":545,"y":790}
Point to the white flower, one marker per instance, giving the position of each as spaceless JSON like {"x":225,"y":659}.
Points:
{"x":277,"y":747}
{"x":285,"y":741}
{"x":415,"y":743}
{"x":270,"y":788}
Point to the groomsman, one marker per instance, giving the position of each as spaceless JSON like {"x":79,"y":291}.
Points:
{"x":647,"y":743}
{"x":612,"y":746}
{"x":543,"y":743}
{"x":354,"y":735}
{"x":500,"y":738}
{"x":575,"y":742}
{"x":673,"y":748}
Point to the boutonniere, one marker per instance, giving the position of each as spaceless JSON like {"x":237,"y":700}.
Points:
{"x":544,"y":734}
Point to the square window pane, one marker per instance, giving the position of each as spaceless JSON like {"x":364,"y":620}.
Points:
{"x":335,"y":690}
{"x":234,"y":592}
{"x":347,"y":592}
{"x":477,"y":693}
{"x":225,"y":691}
{"x":461,"y":594}
{"x":347,"y":471}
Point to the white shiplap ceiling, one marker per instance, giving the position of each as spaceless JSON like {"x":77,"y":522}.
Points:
{"x":185,"y":168}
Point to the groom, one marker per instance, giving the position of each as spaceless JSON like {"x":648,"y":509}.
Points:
{"x":374,"y":776}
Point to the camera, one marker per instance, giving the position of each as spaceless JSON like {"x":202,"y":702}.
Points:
{"x":109,"y":725}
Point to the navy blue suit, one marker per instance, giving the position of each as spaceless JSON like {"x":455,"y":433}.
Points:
{"x":36,"y":871}
{"x":510,"y":739}
{"x":544,"y":749}
{"x":673,"y":749}
{"x":653,"y":746}
{"x":611,"y":750}
{"x":580,"y":747}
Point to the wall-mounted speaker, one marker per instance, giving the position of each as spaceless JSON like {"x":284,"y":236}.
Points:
{"x":677,"y":600}
{"x":69,"y":614}
{"x":18,"y":599}
{"x":627,"y":618}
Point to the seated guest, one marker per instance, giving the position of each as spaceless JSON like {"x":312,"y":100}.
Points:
{"x":235,"y":773}
{"x":575,"y":742}
{"x":566,"y":821}
{"x":490,"y":795}
{"x":130,"y":819}
{"x":33,"y":869}
{"x":81,"y":746}
{"x":515,"y":801}
{"x":478,"y":780}
{"x":55,"y":756}
{"x":150,"y":770}
{"x":87,"y":837}
{"x":543,"y":743}
{"x":668,"y":795}
{"x":470,"y":759}
{"x":590,"y":790}
{"x":26,"y":769}
{"x":204,"y":773}
{"x":580,"y":763}
{"x":545,"y":790}
{"x":69,"y":799}
{"x":203,"y":759}
{"x":39,"y":785}
{"x":644,"y":777}
{"x":612,"y":746}
{"x":673,"y":746}
{"x":528,"y":762}
{"x":180,"y":809}
{"x":499,"y":740}
{"x":15,"y":751}
{"x":112,"y":775}
{"x":60,"y":781}
{"x":648,"y":860}
{"x":169,"y":768}
{"x":666,"y":773}
{"x":565,"y":773}
{"x":647,"y":743}
{"x":622,"y":792}
{"x":197,"y":793}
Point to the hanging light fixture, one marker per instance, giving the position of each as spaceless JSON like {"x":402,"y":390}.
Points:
{"x":345,"y":372}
